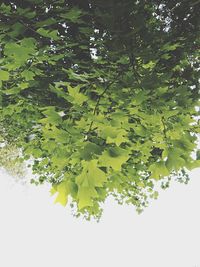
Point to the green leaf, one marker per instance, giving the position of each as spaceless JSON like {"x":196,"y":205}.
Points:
{"x":5,"y":9}
{"x":158,"y":170}
{"x":77,"y":77}
{"x":77,"y":97}
{"x":193,"y":164}
{"x":170,"y":47}
{"x":60,"y":158}
{"x":51,"y":116}
{"x":20,"y":52}
{"x":48,"y":34}
{"x":114,"y":157}
{"x":139,"y":98}
{"x":85,"y":196}
{"x":15,"y":90}
{"x":112,"y":134}
{"x":63,"y":191}
{"x":174,"y":159}
{"x":91,"y":175}
{"x":17,"y":29}
{"x":4,"y":75}
{"x":23,"y":85}
{"x":90,"y":150}
{"x":28,"y":75}
{"x":73,"y":14}
{"x":59,"y":135}
{"x":119,"y":139}
{"x":58,"y":90}
{"x":149,"y":65}
{"x":45,"y":22}
{"x":90,"y":178}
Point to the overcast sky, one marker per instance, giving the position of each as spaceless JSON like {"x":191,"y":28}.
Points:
{"x":34,"y":232}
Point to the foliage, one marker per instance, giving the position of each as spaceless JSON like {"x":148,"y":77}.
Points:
{"x":101,"y":94}
{"x":10,"y":160}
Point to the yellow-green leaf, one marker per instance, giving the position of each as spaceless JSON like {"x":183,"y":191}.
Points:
{"x":114,"y":157}
{"x":4,"y":75}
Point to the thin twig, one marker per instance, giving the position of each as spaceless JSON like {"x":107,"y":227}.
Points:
{"x":164,"y":128}
{"x":97,"y":104}
{"x":30,"y":28}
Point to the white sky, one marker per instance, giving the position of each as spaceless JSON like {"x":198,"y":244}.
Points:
{"x":34,"y":232}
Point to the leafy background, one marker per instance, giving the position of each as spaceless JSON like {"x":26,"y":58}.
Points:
{"x":101,"y":97}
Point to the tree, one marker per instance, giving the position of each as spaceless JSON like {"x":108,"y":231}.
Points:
{"x":101,"y":95}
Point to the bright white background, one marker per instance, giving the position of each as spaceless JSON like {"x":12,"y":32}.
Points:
{"x":34,"y":232}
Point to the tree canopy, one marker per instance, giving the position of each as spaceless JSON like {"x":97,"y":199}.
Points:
{"x":102,"y":96}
